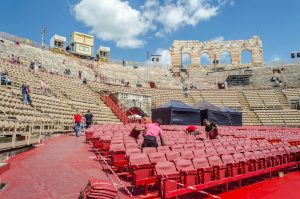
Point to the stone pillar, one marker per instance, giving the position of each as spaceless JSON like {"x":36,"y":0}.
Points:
{"x":236,"y":57}
{"x":176,"y":57}
{"x":195,"y":59}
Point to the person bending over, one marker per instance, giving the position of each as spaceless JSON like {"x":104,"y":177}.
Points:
{"x":152,"y":131}
{"x":211,"y":129}
{"x":192,"y":130}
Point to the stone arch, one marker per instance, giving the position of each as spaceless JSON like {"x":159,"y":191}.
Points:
{"x":225,"y":57}
{"x":186,"y":59}
{"x":246,"y":56}
{"x":205,"y":59}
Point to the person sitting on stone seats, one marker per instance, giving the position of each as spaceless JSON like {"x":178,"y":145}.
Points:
{"x":4,"y":79}
{"x":84,"y":81}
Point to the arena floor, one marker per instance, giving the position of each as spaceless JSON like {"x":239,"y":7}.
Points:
{"x":61,"y":166}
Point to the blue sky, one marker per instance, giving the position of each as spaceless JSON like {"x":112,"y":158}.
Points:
{"x":142,"y":28}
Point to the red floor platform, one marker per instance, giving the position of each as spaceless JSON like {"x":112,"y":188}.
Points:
{"x":59,"y":168}
{"x":287,"y":187}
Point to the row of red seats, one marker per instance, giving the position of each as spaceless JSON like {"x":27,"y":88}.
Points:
{"x":206,"y":171}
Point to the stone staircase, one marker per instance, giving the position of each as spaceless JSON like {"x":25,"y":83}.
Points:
{"x":282,"y":99}
{"x":249,"y":116}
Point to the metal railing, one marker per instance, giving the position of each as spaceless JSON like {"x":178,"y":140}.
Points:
{"x":117,"y":108}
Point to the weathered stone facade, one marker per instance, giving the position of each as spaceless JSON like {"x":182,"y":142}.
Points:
{"x":214,"y":49}
{"x":131,"y":100}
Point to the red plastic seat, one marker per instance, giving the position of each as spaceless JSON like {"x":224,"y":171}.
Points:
{"x":208,"y":145}
{"x":225,"y":144}
{"x":255,"y":147}
{"x":163,"y":149}
{"x":187,"y":155}
{"x":187,"y":171}
{"x":277,"y":157}
{"x":233,"y":167}
{"x":142,"y":171}
{"x":270,"y":158}
{"x":148,"y":150}
{"x":135,"y":151}
{"x":132,"y":145}
{"x":173,"y":155}
{"x":199,"y":145}
{"x":204,"y":169}
{"x":221,"y":151}
{"x":248,"y":148}
{"x":290,"y":154}
{"x":211,"y":152}
{"x":284,"y":155}
{"x":251,"y":161}
{"x":260,"y":160}
{"x":168,"y":177}
{"x":219,"y":169}
{"x":217,"y":144}
{"x":200,"y":153}
{"x":189,"y":147}
{"x":157,"y":157}
{"x":239,"y":149}
{"x":117,"y":152}
{"x":230,"y":150}
{"x":177,"y":148}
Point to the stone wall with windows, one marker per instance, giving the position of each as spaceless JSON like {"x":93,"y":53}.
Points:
{"x":217,"y":53}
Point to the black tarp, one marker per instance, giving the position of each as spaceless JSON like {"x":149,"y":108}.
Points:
{"x":222,"y":115}
{"x":178,"y":113}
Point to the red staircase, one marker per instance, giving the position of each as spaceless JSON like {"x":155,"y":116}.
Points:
{"x":117,"y":108}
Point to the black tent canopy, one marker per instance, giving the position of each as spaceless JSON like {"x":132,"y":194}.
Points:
{"x":222,"y":115}
{"x":176,"y":112}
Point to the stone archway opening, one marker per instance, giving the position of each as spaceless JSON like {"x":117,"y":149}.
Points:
{"x":205,"y":59}
{"x":246,"y":57}
{"x":186,"y":60}
{"x":225,"y":58}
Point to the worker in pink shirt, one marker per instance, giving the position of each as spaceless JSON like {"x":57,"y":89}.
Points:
{"x":151,"y":132}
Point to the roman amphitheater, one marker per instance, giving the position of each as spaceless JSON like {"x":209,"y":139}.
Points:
{"x":265,"y":145}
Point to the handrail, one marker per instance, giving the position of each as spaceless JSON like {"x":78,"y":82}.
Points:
{"x":115,"y":109}
{"x":119,"y":104}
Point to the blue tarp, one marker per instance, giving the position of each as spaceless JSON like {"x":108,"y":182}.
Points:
{"x":178,"y":113}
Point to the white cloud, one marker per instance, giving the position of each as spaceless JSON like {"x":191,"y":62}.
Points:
{"x":116,"y":20}
{"x":177,"y":14}
{"x":165,"y":56}
{"x":276,"y":58}
{"x":217,"y":39}
{"x":113,"y":20}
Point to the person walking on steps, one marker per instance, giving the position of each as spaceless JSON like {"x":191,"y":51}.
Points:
{"x":24,"y":93}
{"x":77,"y":123}
{"x":88,"y":119}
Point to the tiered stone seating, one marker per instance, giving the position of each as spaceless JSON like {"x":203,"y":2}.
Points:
{"x":279,"y":117}
{"x":162,"y":96}
{"x":292,"y":93}
{"x":262,"y":99}
{"x":50,"y":60}
{"x":218,"y":97}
